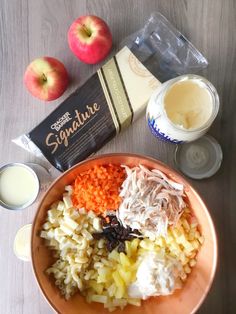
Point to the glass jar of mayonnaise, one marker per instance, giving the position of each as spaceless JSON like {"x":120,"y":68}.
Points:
{"x":182,"y":109}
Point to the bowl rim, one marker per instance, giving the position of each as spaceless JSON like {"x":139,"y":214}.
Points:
{"x":175,"y":173}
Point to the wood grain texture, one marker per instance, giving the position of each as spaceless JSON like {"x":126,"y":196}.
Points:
{"x":29,"y":29}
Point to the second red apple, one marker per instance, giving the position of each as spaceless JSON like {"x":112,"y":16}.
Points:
{"x":90,"y":39}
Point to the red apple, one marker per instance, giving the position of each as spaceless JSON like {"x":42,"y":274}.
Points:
{"x":46,"y":78}
{"x":90,"y":39}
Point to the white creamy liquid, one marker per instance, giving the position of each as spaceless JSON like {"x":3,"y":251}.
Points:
{"x":22,"y":243}
{"x":18,"y":186}
{"x":188,"y":104}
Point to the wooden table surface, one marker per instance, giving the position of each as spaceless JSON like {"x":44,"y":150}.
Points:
{"x":30,"y":29}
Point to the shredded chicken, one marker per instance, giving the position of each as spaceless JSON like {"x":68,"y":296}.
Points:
{"x":150,"y":201}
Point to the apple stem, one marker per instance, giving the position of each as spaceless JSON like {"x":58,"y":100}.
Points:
{"x":44,"y":78}
{"x":87,"y":31}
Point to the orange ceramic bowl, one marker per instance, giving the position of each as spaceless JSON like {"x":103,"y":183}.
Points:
{"x":184,"y":301}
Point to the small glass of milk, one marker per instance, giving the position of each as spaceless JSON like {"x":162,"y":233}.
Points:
{"x":19,"y":186}
{"x":182,"y":109}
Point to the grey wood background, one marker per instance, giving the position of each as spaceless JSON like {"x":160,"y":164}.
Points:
{"x":29,"y":29}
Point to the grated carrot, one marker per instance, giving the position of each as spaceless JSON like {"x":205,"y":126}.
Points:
{"x":98,"y":188}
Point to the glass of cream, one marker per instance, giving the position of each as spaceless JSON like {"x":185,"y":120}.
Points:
{"x":19,"y":186}
{"x":182,"y":109}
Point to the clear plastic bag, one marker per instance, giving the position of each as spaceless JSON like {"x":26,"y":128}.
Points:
{"x":163,"y":50}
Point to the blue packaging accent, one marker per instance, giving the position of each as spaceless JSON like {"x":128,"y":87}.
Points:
{"x":152,"y":123}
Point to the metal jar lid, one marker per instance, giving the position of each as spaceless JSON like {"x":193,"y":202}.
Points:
{"x":199,"y":159}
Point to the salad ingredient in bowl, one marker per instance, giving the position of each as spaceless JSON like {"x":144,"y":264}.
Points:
{"x":120,"y":235}
{"x":150,"y":201}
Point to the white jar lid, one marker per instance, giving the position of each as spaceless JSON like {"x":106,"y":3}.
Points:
{"x":199,"y":159}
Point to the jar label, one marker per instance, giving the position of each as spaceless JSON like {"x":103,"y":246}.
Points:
{"x":153,"y":125}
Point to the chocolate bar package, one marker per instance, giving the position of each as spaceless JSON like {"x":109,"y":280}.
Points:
{"x":114,"y":97}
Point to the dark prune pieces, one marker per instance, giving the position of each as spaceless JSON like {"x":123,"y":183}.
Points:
{"x":115,"y":233}
{"x":121,"y":247}
{"x":98,"y":235}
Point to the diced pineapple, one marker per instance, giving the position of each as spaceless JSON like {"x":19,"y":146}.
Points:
{"x":104,"y":274}
{"x":120,"y":302}
{"x":125,"y":275}
{"x":136,"y":302}
{"x":114,"y":255}
{"x":128,"y":248}
{"x":124,"y":260}
{"x":99,"y":298}
{"x":111,"y":290}
{"x":98,"y":287}
{"x":120,"y":291}
{"x":134,"y":245}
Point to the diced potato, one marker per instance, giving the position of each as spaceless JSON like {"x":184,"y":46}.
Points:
{"x":86,"y":234}
{"x":71,"y":223}
{"x":68,"y":188}
{"x":67,"y":202}
{"x":44,"y":234}
{"x":47,"y":225}
{"x":51,"y":233}
{"x":97,"y":224}
{"x":60,"y":206}
{"x":64,"y":227}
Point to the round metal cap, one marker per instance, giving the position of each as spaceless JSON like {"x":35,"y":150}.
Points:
{"x":199,"y":159}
